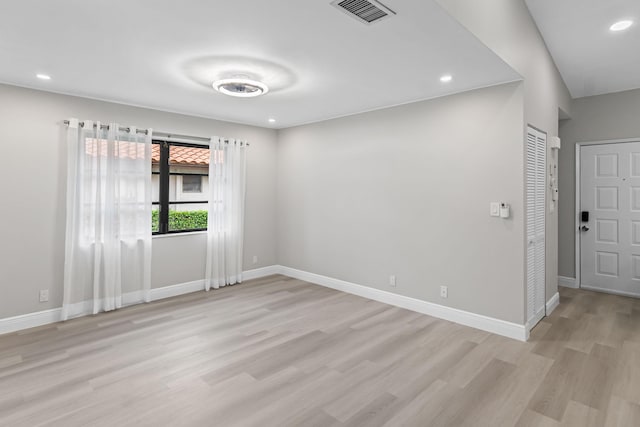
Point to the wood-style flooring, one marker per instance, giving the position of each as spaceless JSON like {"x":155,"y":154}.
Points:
{"x":282,"y":352}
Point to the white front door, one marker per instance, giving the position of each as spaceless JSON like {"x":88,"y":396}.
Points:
{"x":609,"y":219}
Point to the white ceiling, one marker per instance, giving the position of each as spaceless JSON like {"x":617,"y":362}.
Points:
{"x":318,"y":62}
{"x":591,"y":59}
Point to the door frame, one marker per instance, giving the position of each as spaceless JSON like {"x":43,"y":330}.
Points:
{"x":576,"y":230}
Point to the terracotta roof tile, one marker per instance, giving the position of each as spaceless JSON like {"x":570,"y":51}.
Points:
{"x":182,"y":155}
{"x":186,"y":156}
{"x":126,"y":149}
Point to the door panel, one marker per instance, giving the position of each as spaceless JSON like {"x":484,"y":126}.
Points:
{"x":607,"y":231}
{"x":610,"y":240}
{"x":607,"y":198}
{"x":536,"y":149}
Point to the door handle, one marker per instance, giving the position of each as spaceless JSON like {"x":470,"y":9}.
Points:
{"x":584,"y":228}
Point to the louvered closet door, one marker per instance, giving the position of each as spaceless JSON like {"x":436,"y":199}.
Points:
{"x":536,"y":198}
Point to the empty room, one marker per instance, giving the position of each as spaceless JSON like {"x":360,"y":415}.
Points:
{"x":320,"y":213}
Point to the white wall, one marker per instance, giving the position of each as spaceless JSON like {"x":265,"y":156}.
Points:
{"x":32,"y":216}
{"x":406,"y":191}
{"x":594,"y":118}
{"x":507,"y":28}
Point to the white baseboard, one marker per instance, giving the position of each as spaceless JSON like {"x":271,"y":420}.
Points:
{"x":485,"y":323}
{"x":175,"y":290}
{"x":553,"y":302}
{"x":611,"y":291}
{"x":567,"y":282}
{"x":29,"y":320}
{"x":198,"y":285}
{"x":535,"y":320}
{"x":261,"y":272}
{"x":83,"y":308}
{"x":478,"y":321}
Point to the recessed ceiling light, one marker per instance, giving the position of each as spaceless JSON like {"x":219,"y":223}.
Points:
{"x":43,"y":77}
{"x":240,"y":87}
{"x":621,"y":25}
{"x":446,"y":78}
{"x":272,"y":120}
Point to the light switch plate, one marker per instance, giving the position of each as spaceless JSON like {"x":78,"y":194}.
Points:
{"x":494,"y":209}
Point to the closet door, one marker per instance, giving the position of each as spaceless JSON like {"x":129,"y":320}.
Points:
{"x":536,"y":160}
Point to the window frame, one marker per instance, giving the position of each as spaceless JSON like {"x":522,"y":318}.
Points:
{"x":165,"y":173}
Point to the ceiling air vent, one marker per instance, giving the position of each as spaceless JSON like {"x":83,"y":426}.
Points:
{"x":367,"y":11}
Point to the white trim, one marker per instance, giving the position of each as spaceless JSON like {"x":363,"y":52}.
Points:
{"x":610,"y":291}
{"x":540,"y":314}
{"x":577,"y":197}
{"x":567,"y":282}
{"x":576,"y":228}
{"x":175,"y":290}
{"x":610,"y":141}
{"x":83,"y":308}
{"x":553,"y":303}
{"x":30,"y":320}
{"x":182,"y":234}
{"x":261,"y":272}
{"x":478,"y":321}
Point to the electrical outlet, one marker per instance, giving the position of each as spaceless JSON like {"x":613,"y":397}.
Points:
{"x":44,"y":295}
{"x":392,"y":281}
{"x":444,"y":292}
{"x":255,"y":259}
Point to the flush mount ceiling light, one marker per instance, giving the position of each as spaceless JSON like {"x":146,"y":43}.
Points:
{"x":446,"y":78}
{"x":272,"y":120}
{"x":621,"y":25}
{"x":241,"y":87}
{"x":43,"y":77}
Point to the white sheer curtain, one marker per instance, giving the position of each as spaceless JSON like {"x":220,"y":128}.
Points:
{"x":108,"y":233}
{"x":225,"y":227}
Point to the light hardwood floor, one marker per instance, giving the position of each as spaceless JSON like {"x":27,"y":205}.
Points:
{"x":281,"y":352}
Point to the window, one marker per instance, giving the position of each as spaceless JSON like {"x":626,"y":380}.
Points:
{"x":180,"y":176}
{"x":192,"y":184}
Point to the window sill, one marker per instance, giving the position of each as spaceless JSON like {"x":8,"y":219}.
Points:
{"x":186,"y":233}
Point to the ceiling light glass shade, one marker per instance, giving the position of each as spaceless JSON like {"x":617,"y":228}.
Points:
{"x":240,"y":87}
{"x":621,"y":25}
